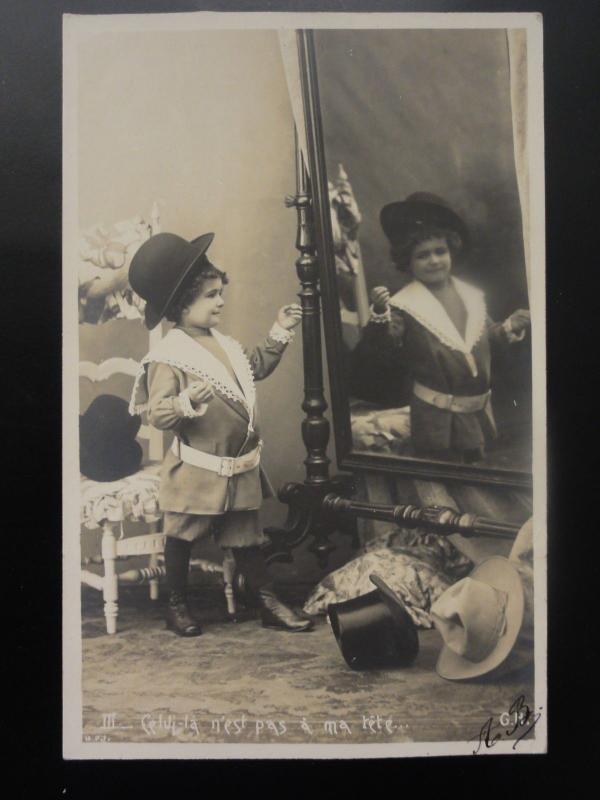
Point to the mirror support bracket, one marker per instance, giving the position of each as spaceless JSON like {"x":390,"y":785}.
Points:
{"x":433,"y":519}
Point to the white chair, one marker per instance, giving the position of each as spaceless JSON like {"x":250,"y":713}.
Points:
{"x":108,"y":506}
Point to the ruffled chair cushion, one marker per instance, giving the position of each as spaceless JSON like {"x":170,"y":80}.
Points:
{"x":418,"y":566}
{"x":132,"y":498}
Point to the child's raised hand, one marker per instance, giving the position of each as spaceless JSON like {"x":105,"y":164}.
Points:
{"x":520,"y":320}
{"x":289,"y":316}
{"x":380,"y":298}
{"x":200,"y":392}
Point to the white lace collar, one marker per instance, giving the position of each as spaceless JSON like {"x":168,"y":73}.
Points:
{"x":424,"y":306}
{"x":179,"y":350}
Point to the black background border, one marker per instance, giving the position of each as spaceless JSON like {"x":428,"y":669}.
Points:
{"x":30,"y":239}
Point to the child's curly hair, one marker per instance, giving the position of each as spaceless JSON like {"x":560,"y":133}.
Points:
{"x":192,"y":288}
{"x":401,"y":252}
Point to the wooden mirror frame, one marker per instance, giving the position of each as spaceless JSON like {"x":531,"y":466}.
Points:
{"x":348,"y":459}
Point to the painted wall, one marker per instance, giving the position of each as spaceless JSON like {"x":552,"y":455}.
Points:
{"x":202,"y":123}
{"x":429,"y":110}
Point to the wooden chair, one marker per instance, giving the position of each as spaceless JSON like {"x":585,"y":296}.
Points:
{"x":108,"y":506}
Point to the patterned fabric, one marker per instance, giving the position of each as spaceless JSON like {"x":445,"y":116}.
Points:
{"x":132,"y":498}
{"x":417,"y":566}
{"x":105,"y":254}
{"x":381,"y":431}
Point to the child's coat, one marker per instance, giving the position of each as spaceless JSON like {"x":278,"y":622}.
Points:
{"x":421,"y":341}
{"x":228,"y":426}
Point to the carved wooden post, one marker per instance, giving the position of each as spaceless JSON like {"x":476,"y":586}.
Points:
{"x":306,"y":513}
{"x":315,"y":428}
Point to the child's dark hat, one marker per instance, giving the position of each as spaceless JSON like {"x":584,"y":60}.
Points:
{"x":403,"y":218}
{"x":108,"y":450}
{"x":159,"y":268}
{"x":374,"y":631}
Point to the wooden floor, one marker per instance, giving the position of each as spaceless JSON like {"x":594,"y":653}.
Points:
{"x":241,"y":683}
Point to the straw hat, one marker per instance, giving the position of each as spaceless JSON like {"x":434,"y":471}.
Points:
{"x":479,"y":618}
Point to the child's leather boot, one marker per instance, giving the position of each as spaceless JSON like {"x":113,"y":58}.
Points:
{"x":179,"y":619}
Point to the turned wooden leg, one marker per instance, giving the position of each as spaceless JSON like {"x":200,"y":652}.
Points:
{"x":153,"y":564}
{"x":228,"y":573}
{"x":110,"y":588}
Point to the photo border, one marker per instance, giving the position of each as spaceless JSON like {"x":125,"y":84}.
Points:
{"x":77,"y":27}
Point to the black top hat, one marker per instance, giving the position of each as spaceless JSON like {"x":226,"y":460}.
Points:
{"x":159,"y":268}
{"x":108,"y":449}
{"x":405,"y":217}
{"x":375,"y":631}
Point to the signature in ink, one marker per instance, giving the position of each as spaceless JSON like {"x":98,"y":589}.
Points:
{"x":519,"y":719}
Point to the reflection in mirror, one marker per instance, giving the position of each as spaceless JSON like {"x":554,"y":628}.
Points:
{"x":428,"y":240}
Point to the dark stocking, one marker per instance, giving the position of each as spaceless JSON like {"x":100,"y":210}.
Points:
{"x":177,"y":564}
{"x":251,"y":562}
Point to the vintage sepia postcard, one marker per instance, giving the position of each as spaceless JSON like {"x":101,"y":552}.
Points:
{"x":304,"y":415}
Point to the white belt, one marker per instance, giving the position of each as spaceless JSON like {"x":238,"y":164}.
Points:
{"x":222,"y":465}
{"x":450,"y":402}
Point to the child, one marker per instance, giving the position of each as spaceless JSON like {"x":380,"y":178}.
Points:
{"x":436,"y":331}
{"x":199,"y":384}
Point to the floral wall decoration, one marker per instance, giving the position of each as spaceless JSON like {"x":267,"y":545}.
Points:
{"x":105,"y":254}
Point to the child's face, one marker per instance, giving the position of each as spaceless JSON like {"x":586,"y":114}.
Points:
{"x":431,"y":261}
{"x":205,"y":311}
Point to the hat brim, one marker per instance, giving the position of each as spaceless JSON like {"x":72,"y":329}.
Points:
{"x":404,"y":217}
{"x":502,"y":575}
{"x":104,"y":468}
{"x":153,"y":315}
{"x":397,"y":609}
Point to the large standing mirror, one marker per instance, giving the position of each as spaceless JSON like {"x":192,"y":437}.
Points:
{"x":419,"y":217}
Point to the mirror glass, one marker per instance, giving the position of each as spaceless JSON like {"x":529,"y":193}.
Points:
{"x":420,"y":123}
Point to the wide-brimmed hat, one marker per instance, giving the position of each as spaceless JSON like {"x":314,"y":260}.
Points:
{"x":108,"y":450}
{"x":403,"y":218}
{"x":159,"y":268}
{"x":374,"y":631}
{"x":479,"y":618}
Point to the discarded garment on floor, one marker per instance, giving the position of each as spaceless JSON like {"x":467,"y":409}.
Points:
{"x":418,"y":566}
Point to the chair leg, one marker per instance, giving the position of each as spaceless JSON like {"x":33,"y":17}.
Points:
{"x":228,"y":573}
{"x":110,"y":586}
{"x":153,"y":563}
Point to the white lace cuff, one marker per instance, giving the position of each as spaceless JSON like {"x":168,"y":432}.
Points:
{"x":187,"y":408}
{"x":380,"y":319}
{"x":280,"y":334}
{"x":510,"y":334}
